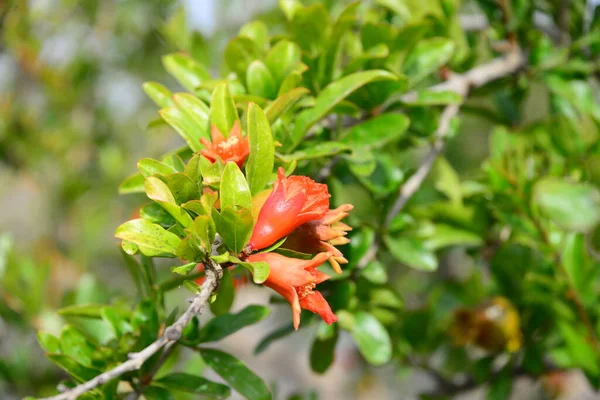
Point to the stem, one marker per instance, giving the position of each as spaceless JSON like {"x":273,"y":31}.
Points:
{"x":172,"y":334}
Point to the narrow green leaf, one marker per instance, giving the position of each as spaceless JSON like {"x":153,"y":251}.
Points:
{"x":82,"y":310}
{"x":153,"y":240}
{"x":225,"y":295}
{"x":132,"y":184}
{"x":262,"y":151}
{"x":411,"y":252}
{"x":235,"y":227}
{"x":149,"y":167}
{"x":76,"y":370}
{"x":259,"y":80}
{"x":223,"y":113}
{"x":325,"y":149}
{"x":116,"y":320}
{"x":257,"y":31}
{"x":236,"y":374}
{"x":573,"y":206}
{"x":427,"y":57}
{"x":184,"y":125}
{"x":239,"y":53}
{"x":48,"y":342}
{"x":273,"y":336}
{"x":283,"y":103}
{"x":74,"y":344}
{"x":227,"y":324}
{"x":333,"y":94}
{"x":184,"y":269}
{"x":159,"y":94}
{"x":189,"y":73}
{"x":158,"y":191}
{"x":322,"y":353}
{"x":196,"y":111}
{"x":283,"y":58}
{"x":193,"y":384}
{"x":235,"y":191}
{"x":377,"y":132}
{"x":372,"y":338}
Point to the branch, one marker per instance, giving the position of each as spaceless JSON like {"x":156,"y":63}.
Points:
{"x":461,"y":84}
{"x":173,"y":333}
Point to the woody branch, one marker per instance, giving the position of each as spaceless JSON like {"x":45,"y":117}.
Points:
{"x":172,"y":334}
{"x":461,"y":84}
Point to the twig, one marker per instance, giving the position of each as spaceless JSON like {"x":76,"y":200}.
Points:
{"x":461,"y":84}
{"x":214,"y":273}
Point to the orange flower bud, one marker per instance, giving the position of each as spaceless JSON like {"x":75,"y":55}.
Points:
{"x":235,"y":148}
{"x":295,"y":280}
{"x":293,"y":202}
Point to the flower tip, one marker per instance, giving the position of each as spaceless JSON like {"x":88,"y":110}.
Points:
{"x":335,"y":265}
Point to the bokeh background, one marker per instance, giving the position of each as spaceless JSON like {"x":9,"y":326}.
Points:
{"x":73,"y":122}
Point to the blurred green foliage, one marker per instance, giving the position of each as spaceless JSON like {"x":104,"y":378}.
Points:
{"x":490,"y":271}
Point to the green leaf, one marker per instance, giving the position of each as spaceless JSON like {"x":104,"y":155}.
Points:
{"x":159,"y":94}
{"x":427,"y":57}
{"x":574,"y":261}
{"x":434,"y":98}
{"x":322,"y":353}
{"x":292,"y":81}
{"x":74,"y":344}
{"x":377,"y":132}
{"x":48,"y":342}
{"x":239,"y":53}
{"x":235,"y":227}
{"x":501,"y":385}
{"x":333,"y":94}
{"x":375,"y":272}
{"x":262,"y":151}
{"x":76,"y":370}
{"x":447,"y":181}
{"x":259,"y":80}
{"x":581,"y":352}
{"x":189,"y":73}
{"x":223,"y":113}
{"x":372,"y":338}
{"x":116,"y":320}
{"x":411,"y":252}
{"x":145,"y":321}
{"x":196,"y":111}
{"x":573,"y":206}
{"x":149,"y":167}
{"x":82,"y":310}
{"x":283,"y":103}
{"x":257,"y":31}
{"x":259,"y":270}
{"x":225,"y":295}
{"x":184,"y":125}
{"x":158,"y":393}
{"x":152,"y":239}
{"x":137,"y":273}
{"x":181,"y":186}
{"x":158,"y":191}
{"x":235,"y":191}
{"x":283,"y":58}
{"x":184,"y":269}
{"x":324,"y":149}
{"x":192,"y":286}
{"x":309,"y":27}
{"x":193,"y":384}
{"x":227,"y":324}
{"x":132,"y":184}
{"x":447,"y":235}
{"x":236,"y":374}
{"x":271,"y":337}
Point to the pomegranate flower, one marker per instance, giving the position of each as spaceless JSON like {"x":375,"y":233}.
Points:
{"x":293,"y":202}
{"x":322,"y":235}
{"x":295,"y":280}
{"x":235,"y":148}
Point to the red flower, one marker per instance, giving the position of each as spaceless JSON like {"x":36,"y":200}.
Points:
{"x":235,"y":148}
{"x":323,"y":235}
{"x":293,"y":202}
{"x":295,"y":280}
